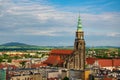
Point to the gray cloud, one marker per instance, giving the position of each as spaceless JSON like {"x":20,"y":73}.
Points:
{"x":28,"y":20}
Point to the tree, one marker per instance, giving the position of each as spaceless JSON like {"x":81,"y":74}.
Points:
{"x":66,"y":78}
{"x":23,"y":64}
{"x":42,"y":55}
{"x":27,"y":56}
{"x":6,"y":56}
{"x":16,"y":57}
{"x":9,"y":59}
{"x":1,"y":59}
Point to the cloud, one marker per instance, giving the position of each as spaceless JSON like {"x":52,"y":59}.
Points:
{"x":28,"y":18}
{"x":36,"y":16}
{"x":31,"y":19}
{"x":114,"y":34}
{"x":101,"y":23}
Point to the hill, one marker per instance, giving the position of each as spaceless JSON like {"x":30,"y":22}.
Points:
{"x":17,"y":46}
{"x":21,"y":46}
{"x":14,"y":44}
{"x":105,"y":47}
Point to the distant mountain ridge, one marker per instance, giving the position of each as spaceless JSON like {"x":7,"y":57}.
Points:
{"x":15,"y":44}
{"x":23,"y":45}
{"x":102,"y":47}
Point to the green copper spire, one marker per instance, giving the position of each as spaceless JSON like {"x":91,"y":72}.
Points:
{"x":79,"y":26}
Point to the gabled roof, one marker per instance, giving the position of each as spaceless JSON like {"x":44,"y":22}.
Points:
{"x":90,"y":60}
{"x":53,"y":60}
{"x":116,"y":62}
{"x":108,"y":78}
{"x":7,"y":66}
{"x":105,"y":62}
{"x":61,"y":52}
{"x":38,"y":65}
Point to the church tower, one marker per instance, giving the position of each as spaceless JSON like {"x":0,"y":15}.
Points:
{"x":79,"y":48}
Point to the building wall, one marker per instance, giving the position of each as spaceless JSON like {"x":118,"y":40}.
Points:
{"x":64,"y":74}
{"x":87,"y":73}
{"x":76,"y":74}
{"x":27,"y":77}
{"x":2,"y":74}
{"x":53,"y":74}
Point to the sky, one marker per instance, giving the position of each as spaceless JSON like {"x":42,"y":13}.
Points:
{"x":54,"y":22}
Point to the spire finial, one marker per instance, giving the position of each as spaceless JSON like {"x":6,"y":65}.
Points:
{"x":79,"y":13}
{"x":79,"y":26}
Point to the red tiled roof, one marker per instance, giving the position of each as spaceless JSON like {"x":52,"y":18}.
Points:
{"x":7,"y":66}
{"x":105,"y":62}
{"x":116,"y":62}
{"x":54,"y":60}
{"x":108,"y":78}
{"x":61,"y":52}
{"x":52,"y":79}
{"x":90,"y":60}
{"x":16,"y":61}
{"x":38,"y":65}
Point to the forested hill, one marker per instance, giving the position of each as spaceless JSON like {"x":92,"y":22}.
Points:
{"x":22,"y":46}
{"x":14,"y":44}
{"x":18,"y":46}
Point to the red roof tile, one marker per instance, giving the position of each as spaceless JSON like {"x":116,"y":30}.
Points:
{"x":7,"y":66}
{"x":38,"y":65}
{"x":54,"y":60}
{"x":90,"y":60}
{"x":52,"y":79}
{"x":18,"y":61}
{"x":61,"y":52}
{"x":105,"y":62}
{"x":116,"y":62}
{"x":108,"y":78}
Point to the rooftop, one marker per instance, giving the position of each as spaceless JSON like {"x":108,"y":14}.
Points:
{"x":61,"y":51}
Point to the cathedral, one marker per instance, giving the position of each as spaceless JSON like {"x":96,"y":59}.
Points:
{"x":77,"y":59}
{"x":70,"y":59}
